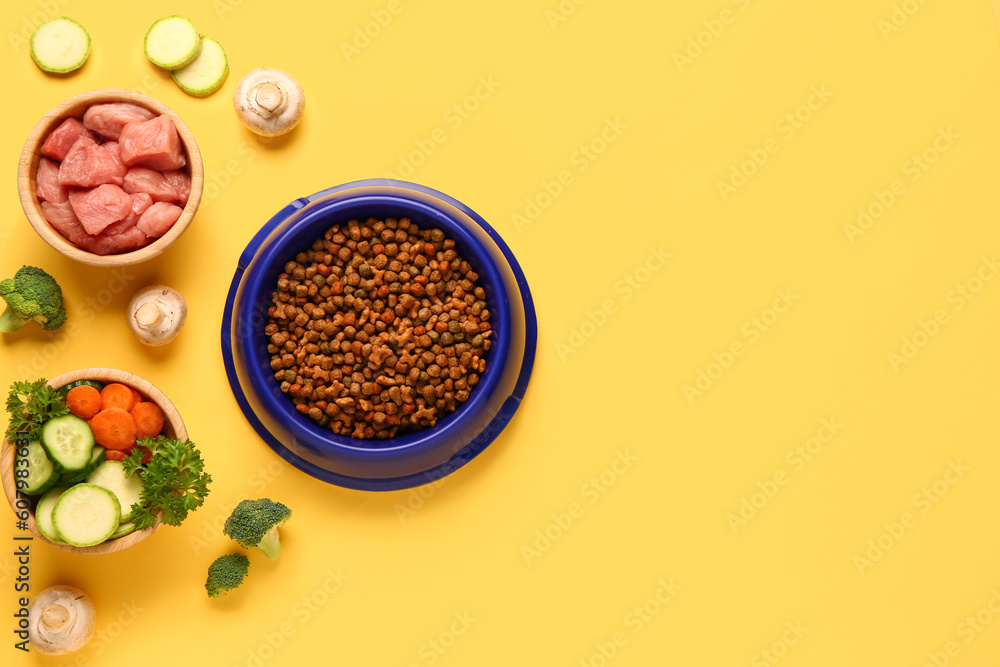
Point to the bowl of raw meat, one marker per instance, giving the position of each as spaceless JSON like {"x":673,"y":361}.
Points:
{"x":110,"y":177}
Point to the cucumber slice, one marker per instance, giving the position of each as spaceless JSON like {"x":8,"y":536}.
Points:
{"x":124,"y":529}
{"x":41,"y":473}
{"x":90,"y":383}
{"x":86,"y":515}
{"x":43,"y":514}
{"x":206,"y":73}
{"x":60,"y":45}
{"x":96,"y":459}
{"x":111,"y":475}
{"x":172,"y":42}
{"x":69,"y":442}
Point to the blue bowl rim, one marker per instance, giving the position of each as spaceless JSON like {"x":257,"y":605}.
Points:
{"x":408,"y":442}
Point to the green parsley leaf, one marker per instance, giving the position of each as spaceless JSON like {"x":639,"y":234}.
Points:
{"x":174,"y":481}
{"x":30,"y":405}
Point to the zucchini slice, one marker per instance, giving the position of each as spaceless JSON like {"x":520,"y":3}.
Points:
{"x":60,"y":45}
{"x":172,"y":42}
{"x":43,"y":514}
{"x":85,"y":515}
{"x":111,"y":475}
{"x":206,"y":73}
{"x":124,"y":528}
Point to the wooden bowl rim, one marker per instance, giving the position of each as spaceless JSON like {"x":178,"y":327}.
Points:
{"x":28,"y":165}
{"x":143,"y":386}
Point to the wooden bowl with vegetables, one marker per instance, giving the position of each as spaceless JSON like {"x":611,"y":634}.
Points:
{"x":110,"y":177}
{"x":76,"y":488}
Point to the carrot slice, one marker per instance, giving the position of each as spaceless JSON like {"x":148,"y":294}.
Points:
{"x":84,"y":401}
{"x":113,"y":428}
{"x":148,"y":419}
{"x":114,"y":455}
{"x":136,"y":397}
{"x":146,"y":453}
{"x":117,"y":395}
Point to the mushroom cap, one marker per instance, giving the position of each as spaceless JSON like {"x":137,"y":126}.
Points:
{"x":61,"y":620}
{"x":156,"y":314}
{"x":269,"y":101}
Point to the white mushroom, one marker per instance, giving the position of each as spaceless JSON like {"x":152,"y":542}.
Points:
{"x":61,"y":620}
{"x":269,"y":101}
{"x":156,"y":314}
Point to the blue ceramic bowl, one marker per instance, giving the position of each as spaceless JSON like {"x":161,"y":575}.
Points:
{"x":407,"y":460}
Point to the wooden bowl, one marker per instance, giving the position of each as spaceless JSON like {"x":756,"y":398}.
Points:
{"x":173,"y":426}
{"x":31,"y":154}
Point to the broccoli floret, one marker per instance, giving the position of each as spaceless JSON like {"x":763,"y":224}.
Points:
{"x":226,"y":573}
{"x":31,"y":294}
{"x":254,"y":523}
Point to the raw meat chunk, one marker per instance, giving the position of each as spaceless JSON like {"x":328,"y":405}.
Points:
{"x":88,"y":165}
{"x":114,"y":150}
{"x":152,"y":143}
{"x":159,"y":218}
{"x":123,"y":236}
{"x":99,"y":207}
{"x":140,"y":202}
{"x":118,"y":237}
{"x":61,"y":139}
{"x":181,"y":182}
{"x":62,"y":218}
{"x":47,"y":182}
{"x":109,"y":119}
{"x":154,"y":183}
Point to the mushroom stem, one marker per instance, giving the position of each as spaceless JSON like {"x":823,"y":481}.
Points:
{"x":270,"y":97}
{"x":149,"y":315}
{"x":55,"y":617}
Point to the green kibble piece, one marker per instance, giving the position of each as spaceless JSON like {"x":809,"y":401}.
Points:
{"x":437,"y":235}
{"x":358,"y":368}
{"x":365,"y":271}
{"x":290,"y":376}
{"x":424,"y":377}
{"x":447,"y":339}
{"x":319,"y":280}
{"x":433,"y":335}
{"x":414,"y":271}
{"x":454,"y":327}
{"x":477,"y":341}
{"x":396,"y":288}
{"x":360,"y":293}
{"x":460,"y":338}
{"x":324,"y":347}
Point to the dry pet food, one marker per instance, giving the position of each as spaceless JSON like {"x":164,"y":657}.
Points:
{"x":379,"y":329}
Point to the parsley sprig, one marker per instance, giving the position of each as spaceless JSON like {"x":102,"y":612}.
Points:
{"x":30,"y":405}
{"x":174,"y":481}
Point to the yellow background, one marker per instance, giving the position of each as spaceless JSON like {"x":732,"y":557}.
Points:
{"x":598,"y":392}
